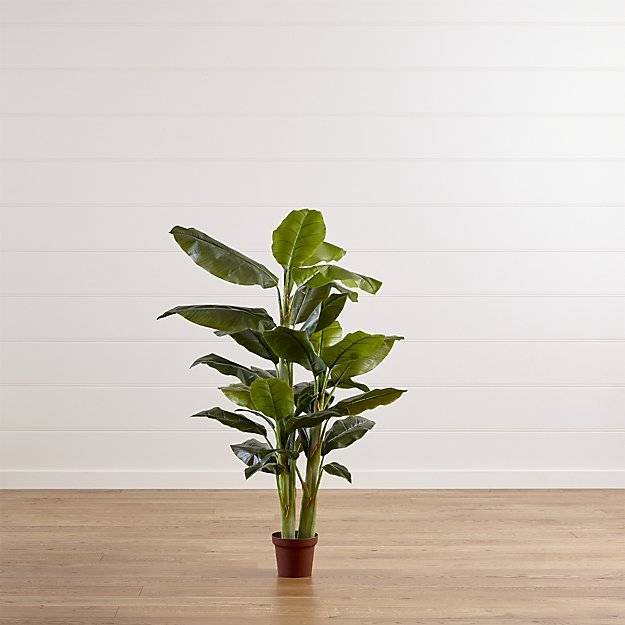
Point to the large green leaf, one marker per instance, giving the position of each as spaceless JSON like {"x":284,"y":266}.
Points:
{"x":222,"y":261}
{"x":334,"y":468}
{"x":252,"y":452}
{"x":305,"y":301}
{"x":310,"y":420}
{"x":349,"y":383}
{"x":327,"y":336}
{"x":233,"y":420}
{"x":239,"y":394}
{"x":227,"y":367}
{"x":369,"y":400}
{"x":297,"y":237}
{"x":253,"y":341}
{"x":273,"y":397}
{"x":294,"y":346}
{"x":353,"y":355}
{"x":225,"y":318}
{"x":331,"y":308}
{"x":326,"y":253}
{"x":324,"y":274}
{"x":345,"y":432}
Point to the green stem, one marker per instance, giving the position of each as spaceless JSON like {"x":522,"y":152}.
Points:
{"x":308,"y":511}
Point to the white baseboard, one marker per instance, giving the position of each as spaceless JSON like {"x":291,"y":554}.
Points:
{"x":447,"y":479}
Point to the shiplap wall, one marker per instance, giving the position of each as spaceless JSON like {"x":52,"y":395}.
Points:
{"x":469,"y":154}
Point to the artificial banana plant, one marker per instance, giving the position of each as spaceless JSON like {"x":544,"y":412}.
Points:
{"x":291,"y":418}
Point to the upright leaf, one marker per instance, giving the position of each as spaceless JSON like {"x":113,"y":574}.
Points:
{"x":233,"y":420}
{"x":297,"y":237}
{"x":228,"y":367}
{"x":345,"y":432}
{"x":239,"y":394}
{"x":353,"y":355}
{"x":253,"y":341}
{"x":334,"y":468}
{"x":294,"y":346}
{"x":225,"y":318}
{"x":326,"y":337}
{"x":273,"y":397}
{"x":369,"y":400}
{"x":331,"y":308}
{"x":222,"y":261}
{"x":305,"y":301}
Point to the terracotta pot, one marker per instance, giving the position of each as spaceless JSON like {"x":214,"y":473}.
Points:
{"x":294,"y":557}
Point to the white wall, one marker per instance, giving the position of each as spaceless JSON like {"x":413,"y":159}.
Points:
{"x":470,"y":154}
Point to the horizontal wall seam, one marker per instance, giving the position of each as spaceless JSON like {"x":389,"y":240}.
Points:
{"x":314,"y":159}
{"x":216,"y":386}
{"x":377,"y":431}
{"x":343,"y":69}
{"x":224,"y":341}
{"x":203,"y":296}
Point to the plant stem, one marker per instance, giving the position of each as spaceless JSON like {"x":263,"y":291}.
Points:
{"x":308,"y":511}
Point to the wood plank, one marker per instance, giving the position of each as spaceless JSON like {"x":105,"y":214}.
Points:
{"x":191,"y":557}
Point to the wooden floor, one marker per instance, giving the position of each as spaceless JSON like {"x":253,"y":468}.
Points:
{"x":384,"y":557}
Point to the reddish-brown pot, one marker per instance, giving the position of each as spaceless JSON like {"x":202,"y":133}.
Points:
{"x":294,"y":556}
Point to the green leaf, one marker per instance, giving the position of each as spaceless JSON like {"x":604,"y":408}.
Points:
{"x":225,"y":318}
{"x":310,"y":420}
{"x":297,"y":237}
{"x":353,"y":295}
{"x":295,"y":346}
{"x":227,"y":367}
{"x":353,"y":355}
{"x":326,"y":253}
{"x":327,"y":336}
{"x":233,"y":420}
{"x":349,"y":383}
{"x":252,"y":452}
{"x":268,"y":464}
{"x":253,"y":341}
{"x":304,"y":393}
{"x":331,"y":308}
{"x":369,"y":400}
{"x":273,"y":397}
{"x":222,"y":261}
{"x":334,"y":468}
{"x":324,"y":274}
{"x":305,"y":301}
{"x":239,"y":394}
{"x":345,"y":432}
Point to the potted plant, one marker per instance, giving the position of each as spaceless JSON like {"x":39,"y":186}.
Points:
{"x":293,"y":418}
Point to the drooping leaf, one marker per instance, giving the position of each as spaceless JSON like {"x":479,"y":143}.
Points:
{"x":326,"y":253}
{"x":263,"y":373}
{"x":334,"y":468}
{"x":297,"y":237}
{"x":252,"y":452}
{"x":273,"y":397}
{"x":353,"y":355}
{"x":239,"y":394}
{"x":353,"y":295}
{"x":331,"y":308}
{"x":349,"y":383}
{"x":222,"y":261}
{"x":226,"y":318}
{"x":328,"y":336}
{"x":345,"y":432}
{"x":324,"y":274}
{"x":304,"y":393}
{"x":305,"y":301}
{"x":310,"y":420}
{"x":233,"y":420}
{"x":294,"y":346}
{"x":369,"y":400}
{"x":268,"y":464}
{"x":227,"y":367}
{"x":253,"y":341}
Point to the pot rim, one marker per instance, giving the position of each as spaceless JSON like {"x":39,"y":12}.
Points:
{"x":293,"y":543}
